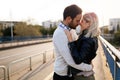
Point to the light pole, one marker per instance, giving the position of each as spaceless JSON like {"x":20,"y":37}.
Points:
{"x":11,"y":25}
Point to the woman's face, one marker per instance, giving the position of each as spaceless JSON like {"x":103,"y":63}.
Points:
{"x":84,"y":23}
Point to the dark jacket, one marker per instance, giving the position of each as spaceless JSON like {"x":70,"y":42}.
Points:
{"x":84,"y":49}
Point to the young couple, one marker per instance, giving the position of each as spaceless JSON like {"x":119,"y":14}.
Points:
{"x":74,"y":57}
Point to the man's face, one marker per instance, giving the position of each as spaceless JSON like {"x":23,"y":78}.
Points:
{"x":75,"y":22}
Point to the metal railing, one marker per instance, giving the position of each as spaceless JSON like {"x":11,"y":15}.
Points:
{"x":5,"y":72}
{"x":113,"y":58}
{"x":8,"y":71}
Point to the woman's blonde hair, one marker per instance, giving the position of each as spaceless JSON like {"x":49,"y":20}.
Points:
{"x":93,"y":30}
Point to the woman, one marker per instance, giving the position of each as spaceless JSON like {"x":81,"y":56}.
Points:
{"x":85,"y":47}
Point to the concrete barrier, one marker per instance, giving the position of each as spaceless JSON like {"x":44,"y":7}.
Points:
{"x":23,"y":43}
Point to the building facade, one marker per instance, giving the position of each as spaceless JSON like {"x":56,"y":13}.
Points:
{"x":6,"y":24}
{"x":48,"y":24}
{"x":114,"y":24}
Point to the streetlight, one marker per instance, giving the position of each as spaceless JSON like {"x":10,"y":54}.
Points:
{"x":11,"y":25}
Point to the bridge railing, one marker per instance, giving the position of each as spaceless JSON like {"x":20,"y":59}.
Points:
{"x":4,"y":72}
{"x":113,"y":58}
{"x":26,"y":64}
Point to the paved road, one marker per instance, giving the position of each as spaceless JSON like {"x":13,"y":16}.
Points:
{"x":7,"y":56}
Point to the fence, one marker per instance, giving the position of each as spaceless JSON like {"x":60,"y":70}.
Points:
{"x":4,"y":72}
{"x":26,"y":64}
{"x":113,"y":58}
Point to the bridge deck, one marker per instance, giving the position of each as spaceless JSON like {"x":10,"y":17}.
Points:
{"x":101,"y":69}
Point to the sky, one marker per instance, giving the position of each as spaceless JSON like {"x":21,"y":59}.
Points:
{"x":38,"y":11}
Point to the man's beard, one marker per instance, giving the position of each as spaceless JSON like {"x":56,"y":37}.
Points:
{"x":71,"y":25}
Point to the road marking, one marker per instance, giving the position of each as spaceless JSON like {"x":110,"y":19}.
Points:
{"x":17,"y":54}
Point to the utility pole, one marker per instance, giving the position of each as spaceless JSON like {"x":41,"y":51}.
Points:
{"x":11,"y":25}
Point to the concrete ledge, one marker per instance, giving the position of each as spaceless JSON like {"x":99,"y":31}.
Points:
{"x":10,"y":45}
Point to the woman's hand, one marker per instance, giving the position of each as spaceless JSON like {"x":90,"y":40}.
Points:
{"x":68,"y":34}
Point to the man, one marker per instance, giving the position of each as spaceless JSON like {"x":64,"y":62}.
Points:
{"x":71,"y":19}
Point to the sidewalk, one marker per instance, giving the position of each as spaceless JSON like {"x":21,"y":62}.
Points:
{"x":102,"y":71}
{"x":41,"y":73}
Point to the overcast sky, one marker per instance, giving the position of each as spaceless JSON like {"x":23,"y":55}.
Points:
{"x":43,"y":10}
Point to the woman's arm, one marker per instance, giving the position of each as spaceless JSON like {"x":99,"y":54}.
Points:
{"x":73,"y":48}
{"x":68,"y":34}
{"x":83,"y":50}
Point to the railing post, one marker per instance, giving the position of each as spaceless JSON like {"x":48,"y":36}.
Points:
{"x":30,"y":63}
{"x":5,"y":72}
{"x":44,"y":57}
{"x":8,"y":71}
{"x":115,"y":69}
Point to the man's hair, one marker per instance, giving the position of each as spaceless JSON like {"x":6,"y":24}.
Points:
{"x":72,"y":11}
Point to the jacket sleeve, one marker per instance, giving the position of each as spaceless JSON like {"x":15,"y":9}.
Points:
{"x":83,"y":51}
{"x":74,"y":52}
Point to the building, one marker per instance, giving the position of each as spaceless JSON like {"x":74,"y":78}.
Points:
{"x":48,"y":24}
{"x":114,"y":24}
{"x":6,"y":24}
{"x":104,"y":30}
